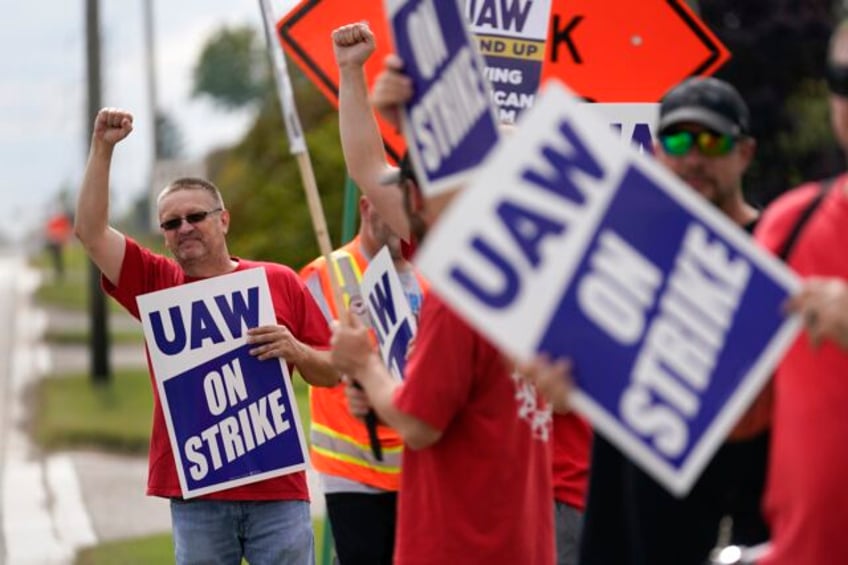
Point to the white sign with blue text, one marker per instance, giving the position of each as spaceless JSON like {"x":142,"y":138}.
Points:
{"x":511,"y":36}
{"x":633,"y":122}
{"x":231,"y":418}
{"x":449,"y":123}
{"x":391,"y":316}
{"x":575,"y":244}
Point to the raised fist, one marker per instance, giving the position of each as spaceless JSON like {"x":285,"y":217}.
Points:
{"x":112,"y":125}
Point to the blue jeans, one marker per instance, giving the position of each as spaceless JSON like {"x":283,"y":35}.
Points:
{"x":221,"y":532}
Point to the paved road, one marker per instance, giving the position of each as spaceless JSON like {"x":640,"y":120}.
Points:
{"x":42,"y":514}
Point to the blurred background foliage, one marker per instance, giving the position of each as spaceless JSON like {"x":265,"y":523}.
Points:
{"x":259,"y":178}
{"x":778,"y":52}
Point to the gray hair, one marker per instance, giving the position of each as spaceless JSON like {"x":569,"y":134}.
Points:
{"x":192,"y":183}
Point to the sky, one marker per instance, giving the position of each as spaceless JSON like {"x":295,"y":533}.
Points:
{"x":43,"y":100}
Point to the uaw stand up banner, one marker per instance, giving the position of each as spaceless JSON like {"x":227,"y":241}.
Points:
{"x":573,"y":243}
{"x":231,"y":418}
{"x":511,"y":37}
{"x":449,"y":123}
{"x":391,"y":316}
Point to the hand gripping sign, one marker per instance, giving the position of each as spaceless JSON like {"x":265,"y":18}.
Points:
{"x":231,"y":418}
{"x":572,"y":243}
{"x":449,"y":123}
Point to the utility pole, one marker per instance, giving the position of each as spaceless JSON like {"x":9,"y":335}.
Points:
{"x":101,"y":373}
{"x":150,"y":52}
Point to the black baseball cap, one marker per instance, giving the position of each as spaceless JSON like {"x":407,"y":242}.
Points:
{"x":709,"y":102}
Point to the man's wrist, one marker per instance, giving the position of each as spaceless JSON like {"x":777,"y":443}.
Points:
{"x":351,"y":67}
{"x":102,"y":149}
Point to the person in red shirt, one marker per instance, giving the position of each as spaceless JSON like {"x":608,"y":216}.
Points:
{"x":704,"y":139}
{"x":462,"y":413}
{"x":806,"y":499}
{"x":476,"y":481}
{"x":359,"y":487}
{"x":266,"y":521}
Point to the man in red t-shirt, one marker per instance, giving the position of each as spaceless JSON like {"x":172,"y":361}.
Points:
{"x":476,"y":481}
{"x":806,"y":498}
{"x":266,"y":521}
{"x":367,"y":164}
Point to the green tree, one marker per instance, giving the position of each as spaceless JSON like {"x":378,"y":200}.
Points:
{"x":778,"y":52}
{"x":258,"y":177}
{"x":233,"y":68}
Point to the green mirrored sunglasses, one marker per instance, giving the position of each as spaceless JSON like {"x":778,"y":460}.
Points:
{"x":709,"y":143}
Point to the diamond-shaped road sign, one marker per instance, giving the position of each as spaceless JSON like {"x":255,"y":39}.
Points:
{"x":604,"y":50}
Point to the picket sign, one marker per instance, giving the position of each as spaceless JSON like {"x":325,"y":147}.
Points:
{"x":232,"y":419}
{"x":574,"y":243}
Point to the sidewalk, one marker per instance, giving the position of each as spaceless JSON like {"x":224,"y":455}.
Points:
{"x":112,"y":486}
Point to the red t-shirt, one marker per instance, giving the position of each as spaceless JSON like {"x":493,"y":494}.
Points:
{"x":571,"y":444}
{"x":144,"y":271}
{"x":806,"y":499}
{"x":482,"y":493}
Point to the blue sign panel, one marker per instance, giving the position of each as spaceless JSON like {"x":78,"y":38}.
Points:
{"x":244,"y":426}
{"x":449,"y":123}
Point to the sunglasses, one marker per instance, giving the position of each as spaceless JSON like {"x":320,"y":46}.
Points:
{"x":709,"y":143}
{"x":193,"y":218}
{"x":837,"y":79}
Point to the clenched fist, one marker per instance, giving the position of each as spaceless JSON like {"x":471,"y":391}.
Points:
{"x":112,"y":125}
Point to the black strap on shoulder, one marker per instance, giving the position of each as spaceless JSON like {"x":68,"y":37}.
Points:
{"x":792,"y":238}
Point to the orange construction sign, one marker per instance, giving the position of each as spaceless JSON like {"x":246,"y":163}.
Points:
{"x":628,"y":51}
{"x":604,"y":50}
{"x":305,"y":34}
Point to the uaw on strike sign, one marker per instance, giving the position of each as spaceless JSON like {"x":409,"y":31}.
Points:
{"x":449,"y":122}
{"x":231,"y":418}
{"x":390,"y":313}
{"x":572,"y":243}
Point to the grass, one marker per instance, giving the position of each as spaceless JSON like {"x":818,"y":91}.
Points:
{"x":139,"y":551}
{"x":72,"y":412}
{"x":83,"y":337}
{"x":70,"y":293}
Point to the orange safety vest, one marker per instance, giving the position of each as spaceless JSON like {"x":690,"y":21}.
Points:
{"x":339,"y":441}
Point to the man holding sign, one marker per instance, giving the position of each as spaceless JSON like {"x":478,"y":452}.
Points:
{"x":360,"y":490}
{"x":476,"y":482}
{"x":266,"y":521}
{"x":704,"y":139}
{"x":411,"y":213}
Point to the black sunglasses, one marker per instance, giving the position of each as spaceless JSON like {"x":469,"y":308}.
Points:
{"x":192,"y":218}
{"x":837,"y":79}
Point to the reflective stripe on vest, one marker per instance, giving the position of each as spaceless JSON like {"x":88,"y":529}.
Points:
{"x":335,"y":445}
{"x":349,"y":277}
